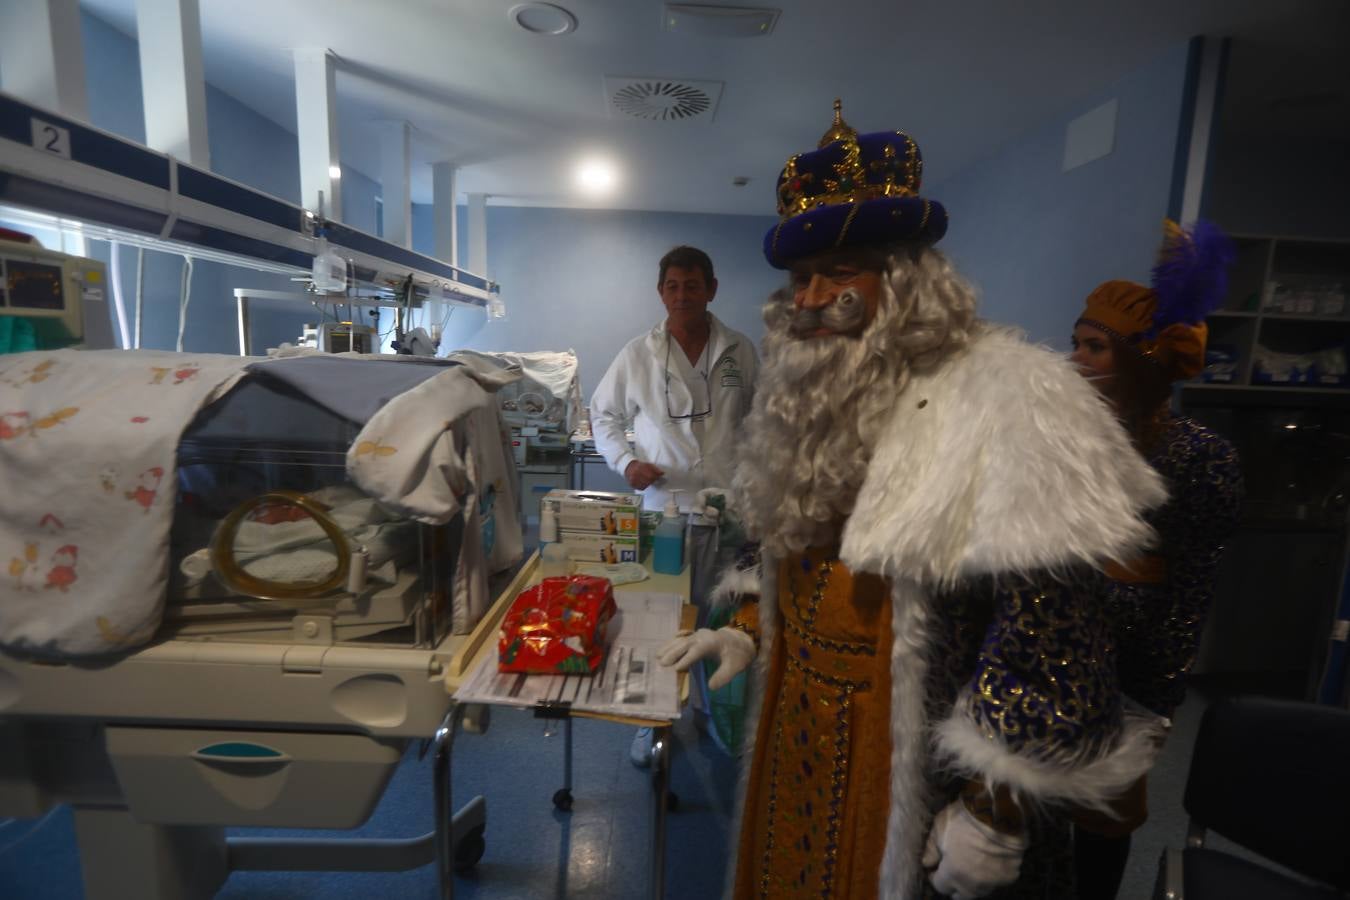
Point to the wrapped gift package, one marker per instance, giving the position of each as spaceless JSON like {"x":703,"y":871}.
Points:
{"x":557,"y":626}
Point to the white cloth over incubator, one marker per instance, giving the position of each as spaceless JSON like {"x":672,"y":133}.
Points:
{"x":547,"y":396}
{"x":87,"y":472}
{"x":122,"y":468}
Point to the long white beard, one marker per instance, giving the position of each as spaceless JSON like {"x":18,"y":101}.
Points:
{"x":821,"y":403}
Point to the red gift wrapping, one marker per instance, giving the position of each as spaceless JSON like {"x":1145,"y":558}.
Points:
{"x":557,"y":626}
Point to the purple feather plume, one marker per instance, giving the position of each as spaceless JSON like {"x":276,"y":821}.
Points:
{"x":1191,"y":277}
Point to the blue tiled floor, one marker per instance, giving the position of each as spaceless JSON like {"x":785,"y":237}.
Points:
{"x":37,"y":857}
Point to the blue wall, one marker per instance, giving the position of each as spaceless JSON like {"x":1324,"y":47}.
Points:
{"x":112,"y":70}
{"x":586,"y":279}
{"x":1037,"y":240}
{"x":424,"y":229}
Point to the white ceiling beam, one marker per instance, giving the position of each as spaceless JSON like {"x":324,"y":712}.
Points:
{"x":173,"y":83}
{"x":396,"y":182}
{"x":445,"y":223}
{"x":477,"y":234}
{"x":42,"y":55}
{"x":317,"y":132}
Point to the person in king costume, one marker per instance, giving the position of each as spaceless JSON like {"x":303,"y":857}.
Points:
{"x":934,"y":499}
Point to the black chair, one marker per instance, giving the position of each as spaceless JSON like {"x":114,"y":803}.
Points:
{"x":1273,"y":777}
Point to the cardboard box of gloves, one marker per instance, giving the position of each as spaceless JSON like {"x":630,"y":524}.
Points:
{"x":596,"y":512}
{"x":597,"y":526}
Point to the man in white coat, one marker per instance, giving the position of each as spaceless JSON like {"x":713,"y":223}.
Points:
{"x":683,"y":388}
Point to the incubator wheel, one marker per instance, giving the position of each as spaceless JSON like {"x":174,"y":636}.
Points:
{"x":562,"y":799}
{"x":469,"y":850}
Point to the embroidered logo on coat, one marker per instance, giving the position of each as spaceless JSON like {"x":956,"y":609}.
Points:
{"x":731,"y":375}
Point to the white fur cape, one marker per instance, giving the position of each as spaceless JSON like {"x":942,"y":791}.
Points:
{"x":1001,"y":460}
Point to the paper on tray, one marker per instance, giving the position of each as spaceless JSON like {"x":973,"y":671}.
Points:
{"x":629,"y":683}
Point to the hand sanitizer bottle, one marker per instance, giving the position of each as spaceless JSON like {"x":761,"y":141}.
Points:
{"x":553,"y":561}
{"x":668,"y":543}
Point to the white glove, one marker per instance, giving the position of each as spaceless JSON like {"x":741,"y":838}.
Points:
{"x":732,"y":648}
{"x":972,"y":859}
{"x":709,"y":512}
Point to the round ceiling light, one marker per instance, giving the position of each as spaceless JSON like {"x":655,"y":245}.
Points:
{"x":596,"y":176}
{"x":543,"y":18}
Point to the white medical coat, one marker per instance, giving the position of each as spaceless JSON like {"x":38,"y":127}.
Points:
{"x":649,"y":381}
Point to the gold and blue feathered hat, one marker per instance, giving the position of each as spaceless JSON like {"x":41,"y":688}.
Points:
{"x":854,"y":190}
{"x":1165,"y":321}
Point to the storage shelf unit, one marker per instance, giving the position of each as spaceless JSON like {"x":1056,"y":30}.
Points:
{"x":1288,"y":296}
{"x":1290,"y":546}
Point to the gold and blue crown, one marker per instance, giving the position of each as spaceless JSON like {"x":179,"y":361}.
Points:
{"x":854,"y":190}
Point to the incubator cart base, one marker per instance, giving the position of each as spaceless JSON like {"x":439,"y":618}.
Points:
{"x":140,"y":841}
{"x":123,"y":859}
{"x":157,"y":759}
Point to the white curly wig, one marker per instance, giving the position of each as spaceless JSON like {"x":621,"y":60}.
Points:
{"x":821,"y":402}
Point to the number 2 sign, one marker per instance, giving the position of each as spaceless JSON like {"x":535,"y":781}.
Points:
{"x":51,"y":138}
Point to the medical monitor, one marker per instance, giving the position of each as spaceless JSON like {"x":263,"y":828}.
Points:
{"x":63,"y":298}
{"x":347,"y":337}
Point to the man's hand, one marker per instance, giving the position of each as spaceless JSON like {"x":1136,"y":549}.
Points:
{"x":967,"y":858}
{"x":732,"y":648}
{"x":642,"y":475}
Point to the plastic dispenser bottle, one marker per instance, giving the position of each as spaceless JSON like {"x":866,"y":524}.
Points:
{"x":668,"y":541}
{"x":553,"y":559}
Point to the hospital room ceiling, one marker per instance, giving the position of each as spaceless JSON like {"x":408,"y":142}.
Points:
{"x":517,"y":111}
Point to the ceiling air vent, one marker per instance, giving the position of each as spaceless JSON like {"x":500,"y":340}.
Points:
{"x":663,"y":99}
{"x":702,"y":20}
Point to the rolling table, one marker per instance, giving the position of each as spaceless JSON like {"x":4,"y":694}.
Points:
{"x":483,"y":641}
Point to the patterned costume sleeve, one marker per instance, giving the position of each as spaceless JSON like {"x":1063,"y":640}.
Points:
{"x":1043,"y":684}
{"x":1042,"y":715}
{"x":1207,"y":499}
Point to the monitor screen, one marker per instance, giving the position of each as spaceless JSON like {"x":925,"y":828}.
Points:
{"x":34,"y":285}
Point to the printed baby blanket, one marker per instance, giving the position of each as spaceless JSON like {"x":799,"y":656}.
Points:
{"x":88,"y":475}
